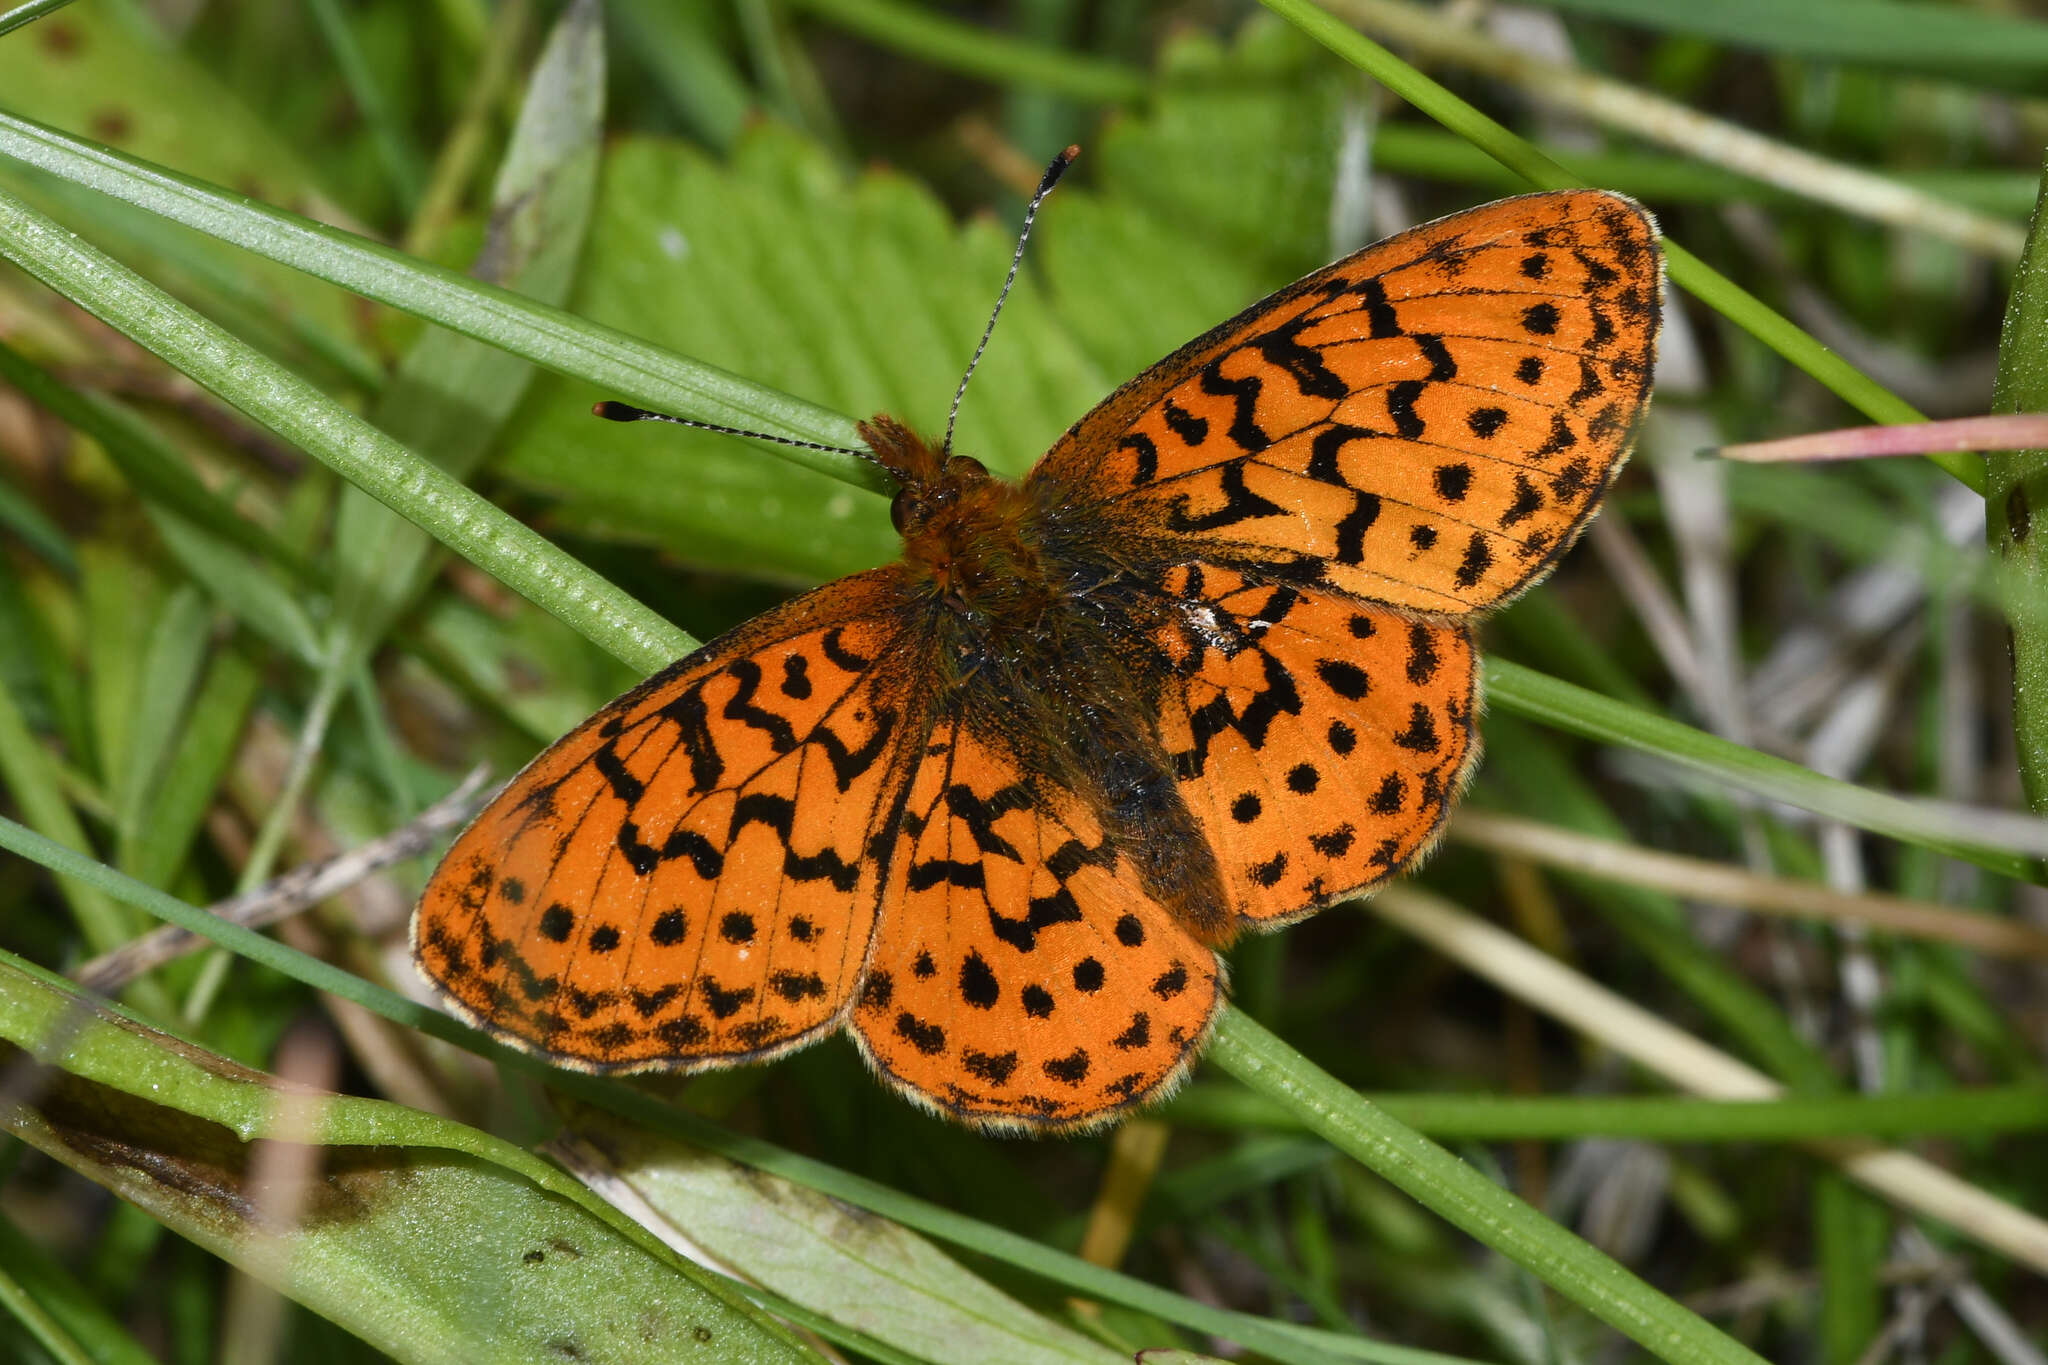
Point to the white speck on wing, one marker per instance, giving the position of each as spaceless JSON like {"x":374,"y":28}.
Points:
{"x":1201,"y":617}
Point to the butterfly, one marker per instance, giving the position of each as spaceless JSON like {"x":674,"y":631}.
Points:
{"x":992,"y":809}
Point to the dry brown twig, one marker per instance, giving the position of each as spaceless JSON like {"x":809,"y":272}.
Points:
{"x":296,"y":891}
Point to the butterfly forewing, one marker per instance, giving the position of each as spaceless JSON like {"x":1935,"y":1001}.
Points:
{"x":1022,"y":976}
{"x":1426,"y":424}
{"x":687,"y":879}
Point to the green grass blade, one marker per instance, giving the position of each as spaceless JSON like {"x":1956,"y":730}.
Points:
{"x":2018,"y":484}
{"x":676,"y":46}
{"x":198,"y":763}
{"x":1652,"y":1118}
{"x":403,"y":165}
{"x":623,"y":365}
{"x":1581,"y":711}
{"x":1468,"y":1199}
{"x":309,"y":419}
{"x":28,"y":13}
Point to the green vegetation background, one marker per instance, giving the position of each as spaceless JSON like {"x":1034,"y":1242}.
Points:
{"x":220,"y":660}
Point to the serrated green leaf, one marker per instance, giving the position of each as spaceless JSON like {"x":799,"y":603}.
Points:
{"x":864,"y":297}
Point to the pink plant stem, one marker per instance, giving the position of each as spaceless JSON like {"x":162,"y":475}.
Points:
{"x":2014,"y":431}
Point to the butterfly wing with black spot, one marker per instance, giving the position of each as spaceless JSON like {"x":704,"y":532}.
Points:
{"x":1318,"y":742}
{"x":1022,"y":976}
{"x":688,"y":879}
{"x":1427,"y":423}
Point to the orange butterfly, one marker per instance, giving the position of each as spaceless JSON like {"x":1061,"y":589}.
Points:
{"x":992,"y":808}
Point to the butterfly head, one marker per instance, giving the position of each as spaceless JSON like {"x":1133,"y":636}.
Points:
{"x":964,"y":529}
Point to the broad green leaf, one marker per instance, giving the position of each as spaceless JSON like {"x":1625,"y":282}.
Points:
{"x":1265,"y":118}
{"x":861,"y":296}
{"x":854,"y":1268}
{"x":429,"y":1240}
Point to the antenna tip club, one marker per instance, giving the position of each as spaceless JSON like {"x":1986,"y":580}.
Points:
{"x":1058,"y":169}
{"x":614,"y":411}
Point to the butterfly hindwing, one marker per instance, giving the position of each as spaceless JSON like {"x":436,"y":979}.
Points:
{"x":686,"y":878}
{"x":1427,"y":423}
{"x":1319,"y":742}
{"x":1022,"y":976}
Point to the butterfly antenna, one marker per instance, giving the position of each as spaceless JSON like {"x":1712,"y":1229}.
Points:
{"x":614,"y":411}
{"x":1051,"y":178}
